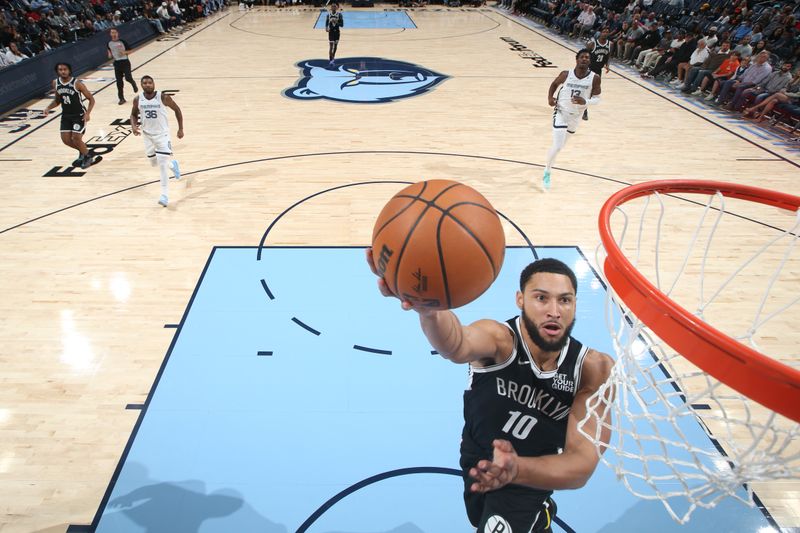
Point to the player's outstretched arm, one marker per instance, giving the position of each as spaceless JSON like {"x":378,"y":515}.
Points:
{"x":169,"y":102}
{"x":568,"y":470}
{"x":485,"y":341}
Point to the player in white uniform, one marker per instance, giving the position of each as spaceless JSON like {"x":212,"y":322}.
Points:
{"x":150,"y":109}
{"x":579,"y":87}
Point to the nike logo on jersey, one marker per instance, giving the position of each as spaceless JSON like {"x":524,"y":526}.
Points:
{"x":523,"y":362}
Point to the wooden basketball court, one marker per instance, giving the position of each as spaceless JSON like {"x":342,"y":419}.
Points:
{"x":93,"y":272}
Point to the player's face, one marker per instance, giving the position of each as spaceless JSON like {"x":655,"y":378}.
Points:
{"x":548,"y":309}
{"x":114,"y":35}
{"x":148,"y":85}
{"x":583,"y":60}
{"x":63,"y":71}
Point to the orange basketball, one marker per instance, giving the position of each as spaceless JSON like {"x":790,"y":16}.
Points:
{"x":438,"y":243}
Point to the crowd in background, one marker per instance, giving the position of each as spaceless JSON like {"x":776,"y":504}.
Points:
{"x":740,"y":56}
{"x":31,"y":27}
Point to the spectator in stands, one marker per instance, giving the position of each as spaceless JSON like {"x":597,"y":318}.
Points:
{"x":668,"y":65}
{"x":147,"y":10}
{"x":87,"y":28}
{"x":647,"y":59}
{"x":742,"y":30}
{"x":586,"y":20}
{"x":176,"y":12}
{"x":167,"y":20}
{"x":724,"y":17}
{"x":755,"y":74}
{"x":12,"y":56}
{"x":757,"y":34}
{"x":633,"y":39}
{"x":694,"y":77}
{"x":744,"y":48}
{"x":116,"y":19}
{"x":711,"y":38}
{"x":731,"y":67}
{"x":775,"y":82}
{"x":697,"y":58}
{"x":789,"y":96}
{"x":649,"y":41}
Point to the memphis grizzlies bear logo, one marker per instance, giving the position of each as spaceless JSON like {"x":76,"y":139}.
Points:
{"x":365,"y":80}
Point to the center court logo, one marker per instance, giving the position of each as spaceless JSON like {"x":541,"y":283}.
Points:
{"x":364,"y":80}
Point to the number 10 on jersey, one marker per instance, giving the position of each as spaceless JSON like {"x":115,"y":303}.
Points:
{"x":519,"y":426}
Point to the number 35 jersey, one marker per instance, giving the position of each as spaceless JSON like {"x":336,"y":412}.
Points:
{"x":153,"y":115}
{"x":516,"y":401}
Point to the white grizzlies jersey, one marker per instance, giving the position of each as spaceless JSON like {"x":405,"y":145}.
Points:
{"x":153,"y":115}
{"x":574,"y":86}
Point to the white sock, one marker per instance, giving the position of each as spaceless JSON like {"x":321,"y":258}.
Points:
{"x":163,"y":163}
{"x":559,"y":140}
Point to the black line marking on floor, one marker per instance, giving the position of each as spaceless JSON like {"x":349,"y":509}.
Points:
{"x":143,"y":411}
{"x":266,"y":289}
{"x":264,"y":353}
{"x":305,"y":326}
{"x":134,"y":406}
{"x":372,"y":350}
{"x":175,"y":326}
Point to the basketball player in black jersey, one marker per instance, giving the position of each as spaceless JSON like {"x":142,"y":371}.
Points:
{"x":332,"y":25}
{"x":599,"y":52}
{"x":74,"y":117}
{"x":529,"y":382}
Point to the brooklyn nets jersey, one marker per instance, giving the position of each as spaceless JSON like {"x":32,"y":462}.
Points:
{"x":334,"y":21}
{"x":71,"y":102}
{"x":599,"y":54}
{"x":516,"y":401}
{"x":153,"y":115}
{"x":574,"y":86}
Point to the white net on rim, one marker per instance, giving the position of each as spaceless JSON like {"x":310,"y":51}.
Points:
{"x":678,"y":434}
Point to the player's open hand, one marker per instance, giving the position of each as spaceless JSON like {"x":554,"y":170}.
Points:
{"x":384,"y":288}
{"x":497,"y":473}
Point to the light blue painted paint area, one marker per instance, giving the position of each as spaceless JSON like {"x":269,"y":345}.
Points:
{"x":236,"y":442}
{"x":359,"y":20}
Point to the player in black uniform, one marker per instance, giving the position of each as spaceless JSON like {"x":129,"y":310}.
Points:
{"x":332,"y":25}
{"x":73,"y":115}
{"x":599,"y":52}
{"x":529,"y":382}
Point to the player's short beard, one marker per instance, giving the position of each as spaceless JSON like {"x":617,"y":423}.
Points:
{"x":539,"y":341}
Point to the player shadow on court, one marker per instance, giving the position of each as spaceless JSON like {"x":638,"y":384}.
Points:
{"x":183,"y":506}
{"x":208,"y":187}
{"x":729,"y":515}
